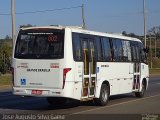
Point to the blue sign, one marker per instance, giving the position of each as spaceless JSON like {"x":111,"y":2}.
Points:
{"x":23,"y":81}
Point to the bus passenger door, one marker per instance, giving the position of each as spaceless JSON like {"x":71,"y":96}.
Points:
{"x":136,"y":80}
{"x":136,"y":66}
{"x":89,"y":68}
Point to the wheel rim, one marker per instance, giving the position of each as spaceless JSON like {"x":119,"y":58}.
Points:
{"x":104,"y":95}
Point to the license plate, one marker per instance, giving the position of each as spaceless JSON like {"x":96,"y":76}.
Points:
{"x":37,"y":92}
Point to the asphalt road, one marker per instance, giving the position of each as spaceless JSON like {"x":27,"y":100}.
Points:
{"x":120,"y":106}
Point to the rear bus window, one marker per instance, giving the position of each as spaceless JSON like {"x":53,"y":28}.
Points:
{"x":40,"y":44}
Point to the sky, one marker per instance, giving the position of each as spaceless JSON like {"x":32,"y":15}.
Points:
{"x":100,"y":15}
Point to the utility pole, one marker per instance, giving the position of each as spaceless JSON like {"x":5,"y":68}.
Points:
{"x":155,"y":47}
{"x":13,"y":22}
{"x":83,"y":19}
{"x":150,"y":53}
{"x":144,"y":15}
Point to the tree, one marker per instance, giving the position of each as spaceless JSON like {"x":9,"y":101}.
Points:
{"x":7,"y":37}
{"x":124,"y":33}
{"x":154,"y":31}
{"x":5,"y":57}
{"x":25,"y":26}
{"x":130,"y":34}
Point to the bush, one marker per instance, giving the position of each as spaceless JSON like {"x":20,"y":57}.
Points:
{"x":5,"y":57}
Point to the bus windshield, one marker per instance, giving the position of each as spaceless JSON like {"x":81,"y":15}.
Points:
{"x":40,"y":44}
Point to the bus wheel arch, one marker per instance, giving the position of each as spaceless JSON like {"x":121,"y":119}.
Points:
{"x":142,"y":91}
{"x":144,"y":82}
{"x":104,"y":94}
{"x":107,"y":83}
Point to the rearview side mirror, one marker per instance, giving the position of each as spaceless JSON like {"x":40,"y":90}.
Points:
{"x":146,"y":50}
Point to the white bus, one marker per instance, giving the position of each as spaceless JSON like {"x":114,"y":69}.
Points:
{"x":62,"y":63}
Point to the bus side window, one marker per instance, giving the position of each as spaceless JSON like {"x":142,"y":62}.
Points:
{"x":135,"y":52}
{"x":117,"y":50}
{"x":133,"y":49}
{"x":129,"y":51}
{"x":142,"y":53}
{"x":77,"y":55}
{"x":107,"y":56}
{"x":126,"y":51}
{"x":138,"y":52}
{"x":99,"y":49}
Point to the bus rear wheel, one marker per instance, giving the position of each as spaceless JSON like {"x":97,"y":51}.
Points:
{"x":56,"y":100}
{"x":104,"y":96}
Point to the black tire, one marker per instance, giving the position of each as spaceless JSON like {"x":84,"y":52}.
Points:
{"x":142,"y":92}
{"x":104,"y":96}
{"x":56,"y":100}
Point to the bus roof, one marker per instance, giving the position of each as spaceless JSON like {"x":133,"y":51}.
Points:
{"x":78,"y":29}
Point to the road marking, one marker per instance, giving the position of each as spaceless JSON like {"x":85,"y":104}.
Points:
{"x":114,"y":105}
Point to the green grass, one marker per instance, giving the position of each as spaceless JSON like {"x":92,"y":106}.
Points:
{"x":5,"y":79}
{"x":154,"y":71}
{"x":156,"y":63}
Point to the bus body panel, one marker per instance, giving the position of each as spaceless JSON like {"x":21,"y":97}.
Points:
{"x":144,"y":70}
{"x":46,"y":92}
{"x":78,"y":76}
{"x":144,"y":74}
{"x":39,"y":73}
{"x":119,"y":83}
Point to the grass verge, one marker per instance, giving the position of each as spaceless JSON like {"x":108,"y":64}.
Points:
{"x":5,"y":79}
{"x":154,"y":71}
